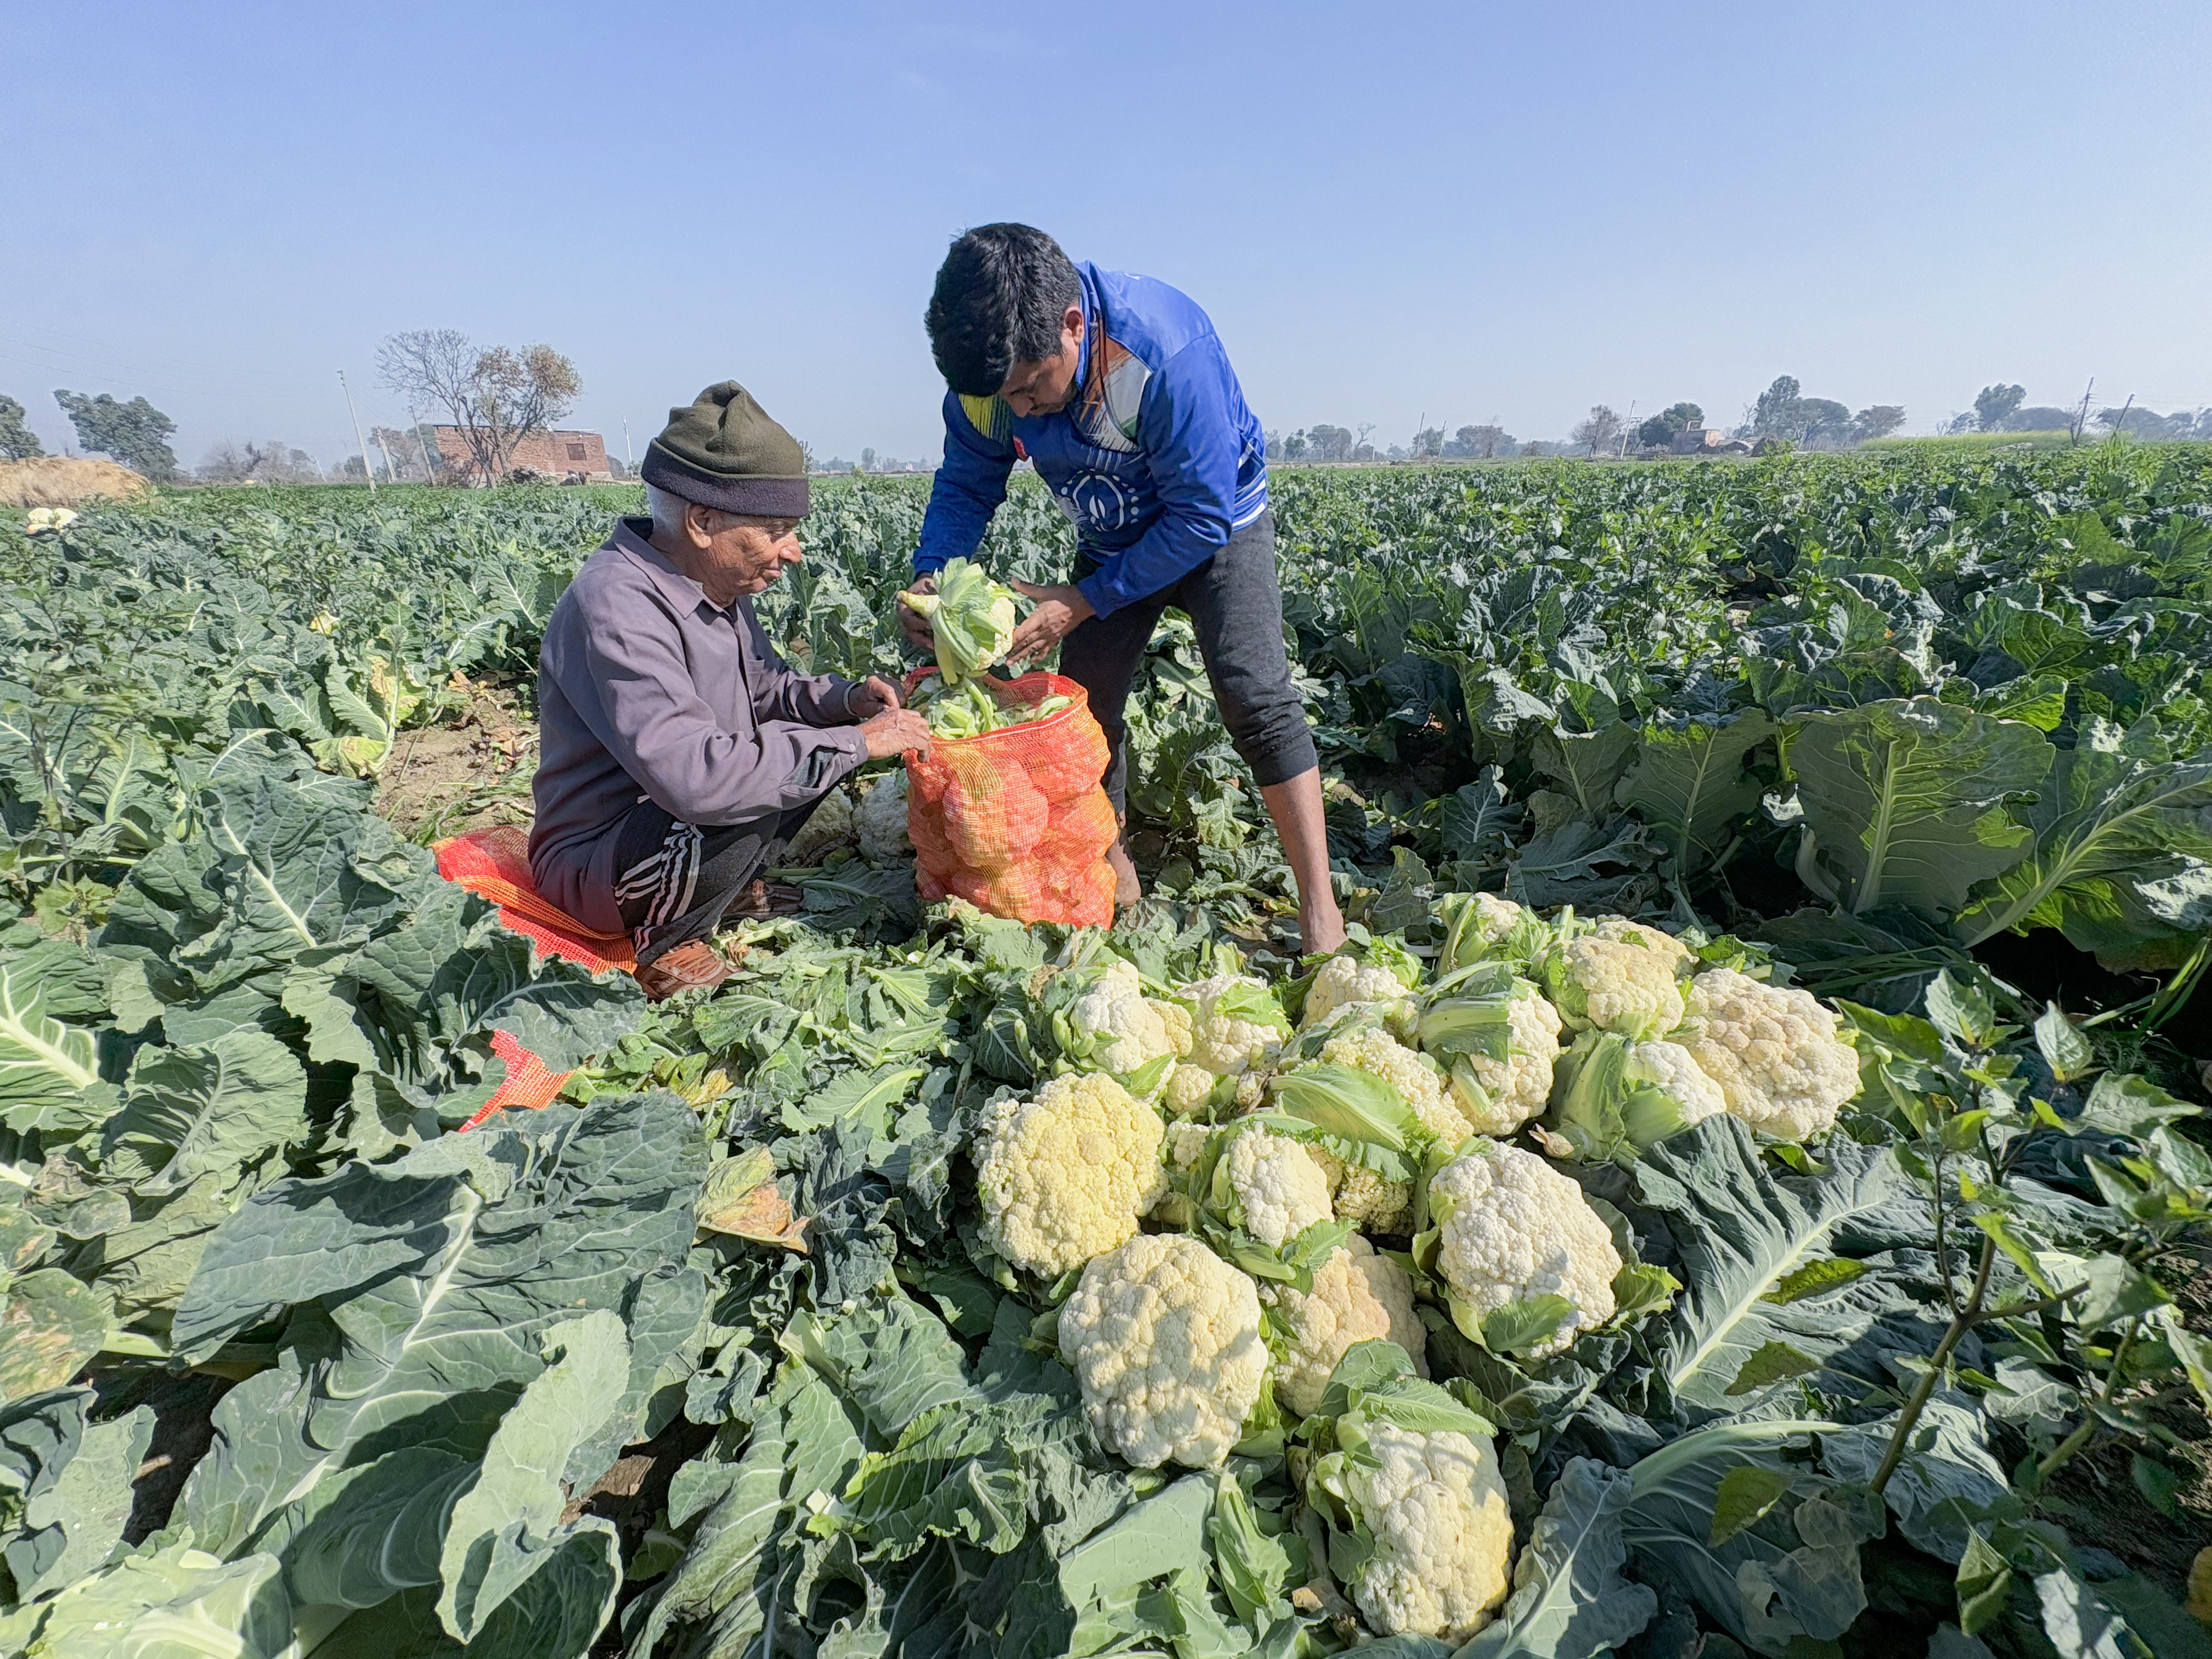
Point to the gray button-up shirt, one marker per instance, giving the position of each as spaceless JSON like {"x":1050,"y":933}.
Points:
{"x":647,"y":690}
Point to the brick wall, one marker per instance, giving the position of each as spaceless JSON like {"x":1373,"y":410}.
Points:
{"x":553,"y":454}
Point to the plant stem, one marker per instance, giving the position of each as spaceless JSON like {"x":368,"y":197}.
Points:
{"x":2087,"y":1429}
{"x":1961,"y":1322}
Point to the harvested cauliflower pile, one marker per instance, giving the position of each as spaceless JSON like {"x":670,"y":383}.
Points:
{"x":1279,"y":1187}
{"x":1356,"y":1296}
{"x":1414,"y":1075}
{"x":1773,"y":1049}
{"x":1066,"y":1175}
{"x":1342,"y":983}
{"x":1507,"y":1093}
{"x":1622,"y":976}
{"x":1510,"y":1227}
{"x":1115,"y":1027}
{"x":1444,"y":1531}
{"x":1163,"y":1337}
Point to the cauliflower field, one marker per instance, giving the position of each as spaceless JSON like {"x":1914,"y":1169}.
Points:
{"x":1740,"y":1190}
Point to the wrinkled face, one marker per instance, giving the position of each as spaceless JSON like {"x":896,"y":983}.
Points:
{"x":736,"y":554}
{"x":1045,"y":388}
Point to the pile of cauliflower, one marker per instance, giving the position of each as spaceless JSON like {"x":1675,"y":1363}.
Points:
{"x":1204,"y":1184}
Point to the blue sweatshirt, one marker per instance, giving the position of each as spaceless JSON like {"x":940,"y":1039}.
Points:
{"x":1156,"y":458}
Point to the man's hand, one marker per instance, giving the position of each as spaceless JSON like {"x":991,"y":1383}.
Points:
{"x":918,"y":631}
{"x":894,"y":731}
{"x":870,"y":698}
{"x":1058,"y":611}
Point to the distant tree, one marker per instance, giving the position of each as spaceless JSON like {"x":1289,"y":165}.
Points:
{"x":2147,"y":425}
{"x":497,"y":397}
{"x":1598,"y":431}
{"x":1364,"y":452}
{"x":1360,"y":442}
{"x":135,"y":433}
{"x":1662,"y":429}
{"x":273,"y":462}
{"x":1428,"y":443}
{"x":1294,"y":447}
{"x":1273,"y":441}
{"x":867,"y":461}
{"x":1822,"y":418}
{"x":1396,"y":452}
{"x":1776,"y":411}
{"x":1994,"y":404}
{"x":1878,"y":420}
{"x":1330,"y":443}
{"x":1478,"y":443}
{"x":2040,"y":417}
{"x":17,"y":441}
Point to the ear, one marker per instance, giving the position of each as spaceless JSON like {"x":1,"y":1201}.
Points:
{"x":1071,"y":325}
{"x":698,"y":527}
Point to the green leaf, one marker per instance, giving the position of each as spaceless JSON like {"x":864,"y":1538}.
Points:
{"x":1525,"y":1323}
{"x":2065,"y":1049}
{"x":205,"y":1108}
{"x":1906,"y":799}
{"x":49,"y":1071}
{"x":1253,"y":1568}
{"x":1815,"y":1278}
{"x":1984,"y":1582}
{"x":1569,"y":1599}
{"x":1776,"y":1362}
{"x":1962,"y":1013}
{"x":1745,"y":1494}
{"x":77,"y":1497}
{"x":49,"y":1326}
{"x":1689,"y":784}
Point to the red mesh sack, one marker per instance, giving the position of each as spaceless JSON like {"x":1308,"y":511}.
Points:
{"x":495,"y":865}
{"x":1016,"y":821}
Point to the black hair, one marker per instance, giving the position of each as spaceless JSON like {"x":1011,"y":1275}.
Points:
{"x":1000,"y":295}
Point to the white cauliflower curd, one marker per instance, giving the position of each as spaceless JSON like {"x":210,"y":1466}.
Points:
{"x":1163,"y":1337}
{"x":1497,"y":1096}
{"x":1342,"y":982}
{"x":1364,"y":1197}
{"x":1773,"y":1049}
{"x":881,"y":821}
{"x":1622,"y":978}
{"x":1357,"y":1296}
{"x":1510,"y":1227}
{"x":1066,"y":1175}
{"x":1278,"y":1189}
{"x":1115,"y":1027}
{"x":1442,"y":1530}
{"x":1236,"y":1030}
{"x":1413,"y":1074}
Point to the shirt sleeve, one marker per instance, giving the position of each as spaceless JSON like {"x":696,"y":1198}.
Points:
{"x":969,"y":484}
{"x":781,"y":693}
{"x":1191,"y":447}
{"x":651,"y":717}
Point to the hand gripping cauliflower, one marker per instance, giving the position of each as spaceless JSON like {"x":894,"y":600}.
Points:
{"x":1506,"y":1227}
{"x":1497,"y":1096}
{"x":1238,"y":1029}
{"x":1276,"y":1186}
{"x":1773,"y":1049}
{"x":1342,"y":982}
{"x":1443,"y":1531}
{"x":1115,"y":1027}
{"x":1622,"y":976}
{"x":1065,"y":1177}
{"x":1163,"y":1337}
{"x":1414,"y":1075}
{"x":1356,"y":1296}
{"x":882,"y":821}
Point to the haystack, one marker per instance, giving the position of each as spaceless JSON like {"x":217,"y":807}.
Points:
{"x":66,"y":481}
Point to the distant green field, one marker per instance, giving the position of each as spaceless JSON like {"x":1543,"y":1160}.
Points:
{"x":1975,"y":443}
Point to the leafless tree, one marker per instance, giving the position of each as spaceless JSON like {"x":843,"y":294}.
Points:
{"x":497,"y":397}
{"x":273,"y":462}
{"x":1598,"y":430}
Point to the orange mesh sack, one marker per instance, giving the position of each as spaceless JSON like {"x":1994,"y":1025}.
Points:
{"x":1017,"y":821}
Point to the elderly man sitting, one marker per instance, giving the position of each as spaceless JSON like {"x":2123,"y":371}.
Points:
{"x":677,"y":752}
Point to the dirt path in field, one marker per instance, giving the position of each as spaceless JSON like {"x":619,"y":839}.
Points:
{"x":471,"y":771}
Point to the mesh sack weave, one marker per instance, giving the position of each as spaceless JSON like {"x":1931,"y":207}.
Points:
{"x":1016,"y":821}
{"x":495,"y":865}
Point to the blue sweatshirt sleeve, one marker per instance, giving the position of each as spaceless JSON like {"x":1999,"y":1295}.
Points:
{"x":968,"y":487}
{"x":1192,"y":449}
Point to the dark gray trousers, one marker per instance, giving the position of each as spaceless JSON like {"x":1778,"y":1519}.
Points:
{"x":1235,"y":604}
{"x":676,"y":879}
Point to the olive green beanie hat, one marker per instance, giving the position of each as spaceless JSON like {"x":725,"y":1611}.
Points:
{"x":723,"y":451}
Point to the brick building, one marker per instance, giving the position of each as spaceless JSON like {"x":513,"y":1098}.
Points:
{"x":549,"y":454}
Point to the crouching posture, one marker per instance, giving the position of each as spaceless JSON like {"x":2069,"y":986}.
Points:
{"x":677,"y":751}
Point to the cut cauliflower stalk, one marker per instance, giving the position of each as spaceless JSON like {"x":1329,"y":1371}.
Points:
{"x":1164,"y":1338}
{"x":1066,"y":1175}
{"x":1118,"y":1028}
{"x":1623,"y":977}
{"x":882,"y":821}
{"x":1510,"y":1227}
{"x":1413,"y":1073}
{"x":1277,"y":1186}
{"x":1497,"y":1096}
{"x":1357,"y":1296}
{"x":1773,"y":1049}
{"x":1444,"y":1531}
{"x":1341,"y":982}
{"x":1363,"y":1198}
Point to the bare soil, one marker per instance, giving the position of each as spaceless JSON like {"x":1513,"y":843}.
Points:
{"x":468,"y":773}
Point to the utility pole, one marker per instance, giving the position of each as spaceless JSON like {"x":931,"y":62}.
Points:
{"x":367,"y":466}
{"x":2121,"y":425}
{"x":429,"y":472}
{"x":2083,"y":419}
{"x":629,"y":464}
{"x":391,"y":472}
{"x":1627,"y":427}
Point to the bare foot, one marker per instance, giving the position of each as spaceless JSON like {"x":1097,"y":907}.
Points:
{"x":1320,"y":926}
{"x":1126,"y":888}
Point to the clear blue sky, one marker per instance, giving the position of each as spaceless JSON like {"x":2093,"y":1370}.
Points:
{"x":1462,"y":211}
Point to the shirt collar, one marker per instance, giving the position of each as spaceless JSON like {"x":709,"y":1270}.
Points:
{"x":1090,"y":328}
{"x":679,"y":589}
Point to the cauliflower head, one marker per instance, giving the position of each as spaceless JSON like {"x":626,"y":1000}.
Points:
{"x":1510,"y":1227}
{"x":1276,"y":1185}
{"x":1621,"y":982}
{"x":1615,"y":1099}
{"x":1364,"y":1197}
{"x":1065,"y":1177}
{"x":1163,"y":1337}
{"x":1357,"y":1296}
{"x":1497,"y":1096}
{"x":1236,"y":1030}
{"x":1413,"y":1074}
{"x":1115,"y":1027}
{"x":830,"y":825}
{"x":1341,"y":982}
{"x":1675,"y":1069}
{"x":882,"y":821}
{"x":1773,"y":1049}
{"x":1442,"y":1528}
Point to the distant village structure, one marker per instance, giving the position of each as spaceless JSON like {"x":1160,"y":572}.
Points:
{"x":555,"y":456}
